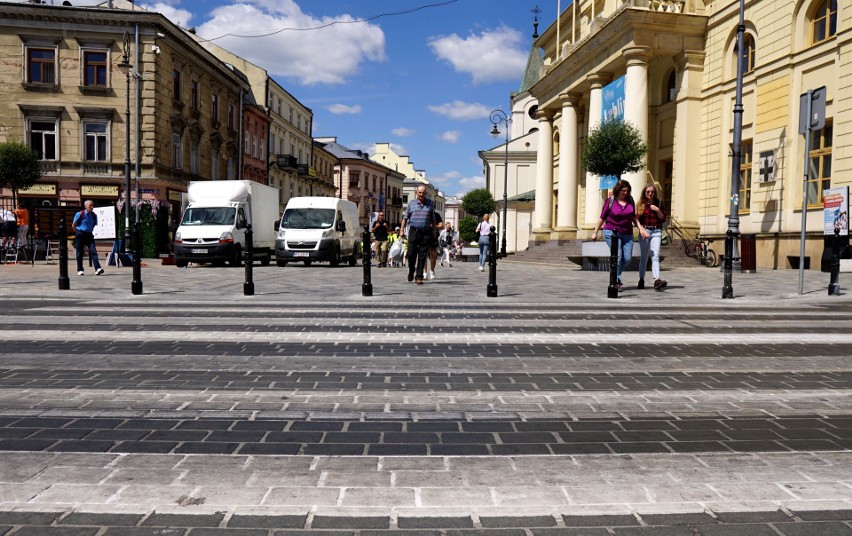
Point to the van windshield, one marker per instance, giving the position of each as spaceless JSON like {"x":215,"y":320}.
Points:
{"x":209,"y":216}
{"x":307,"y":218}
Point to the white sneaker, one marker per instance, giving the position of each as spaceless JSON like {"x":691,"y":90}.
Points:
{"x":99,"y":271}
{"x":481,"y":268}
{"x":80,"y":272}
{"x":431,"y":275}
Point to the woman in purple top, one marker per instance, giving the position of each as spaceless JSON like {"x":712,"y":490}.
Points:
{"x":618,"y":217}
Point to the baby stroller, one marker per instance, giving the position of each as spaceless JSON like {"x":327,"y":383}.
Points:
{"x":396,"y":252}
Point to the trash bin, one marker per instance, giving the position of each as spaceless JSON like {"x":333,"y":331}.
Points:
{"x":748,"y":253}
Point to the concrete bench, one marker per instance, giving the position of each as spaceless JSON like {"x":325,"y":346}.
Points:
{"x":594,"y":256}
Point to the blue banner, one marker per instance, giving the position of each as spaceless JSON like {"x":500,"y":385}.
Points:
{"x":612,"y":106}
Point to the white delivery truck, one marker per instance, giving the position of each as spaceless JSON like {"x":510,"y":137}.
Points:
{"x":213,"y":227}
{"x":318,"y":229}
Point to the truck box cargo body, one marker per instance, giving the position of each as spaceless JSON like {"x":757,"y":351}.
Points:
{"x":213,"y":226}
{"x":318,"y":229}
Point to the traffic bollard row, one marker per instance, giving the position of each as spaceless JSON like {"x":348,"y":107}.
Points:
{"x":136,"y":283}
{"x":728,"y":289}
{"x":248,"y":286}
{"x":834,"y":283}
{"x":64,"y":282}
{"x":492,"y":264}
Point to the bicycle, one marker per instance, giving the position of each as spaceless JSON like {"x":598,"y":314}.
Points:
{"x":700,"y":249}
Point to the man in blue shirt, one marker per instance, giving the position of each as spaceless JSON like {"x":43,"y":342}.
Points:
{"x":84,"y":225}
{"x":419,"y":223}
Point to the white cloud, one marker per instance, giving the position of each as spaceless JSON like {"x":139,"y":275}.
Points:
{"x":491,"y":56}
{"x":460,"y":110}
{"x":402,"y":132}
{"x":470,"y":183}
{"x":450,"y":136}
{"x":181,"y":17}
{"x":321,"y":56}
{"x":341,"y":109}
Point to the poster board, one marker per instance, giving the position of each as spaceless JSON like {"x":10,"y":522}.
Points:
{"x":612,"y":107}
{"x":105,"y":229}
{"x":836,"y":210}
{"x":47,"y":221}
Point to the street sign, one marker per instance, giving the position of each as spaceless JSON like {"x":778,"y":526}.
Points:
{"x":816,"y":120}
{"x":767,"y":166}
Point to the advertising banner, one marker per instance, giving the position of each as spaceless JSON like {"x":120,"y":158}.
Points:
{"x":613,"y":107}
{"x":836,"y":210}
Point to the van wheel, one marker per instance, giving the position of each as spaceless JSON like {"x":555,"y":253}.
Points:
{"x":237,"y":259}
{"x":308,"y":263}
{"x":353,"y":260}
{"x":281,"y":264}
{"x":266,"y":260}
{"x":181,"y":263}
{"x":335,"y":260}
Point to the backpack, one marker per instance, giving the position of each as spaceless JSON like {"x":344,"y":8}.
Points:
{"x":79,"y":217}
{"x":611,"y":200}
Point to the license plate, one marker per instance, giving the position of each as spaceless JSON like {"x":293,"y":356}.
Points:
{"x":199,"y":251}
{"x":301,"y":254}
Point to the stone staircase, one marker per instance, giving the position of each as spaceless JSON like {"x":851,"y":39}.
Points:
{"x":568,"y":253}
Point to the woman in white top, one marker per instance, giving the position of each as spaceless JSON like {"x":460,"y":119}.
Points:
{"x":483,"y":230}
{"x":447,"y":240}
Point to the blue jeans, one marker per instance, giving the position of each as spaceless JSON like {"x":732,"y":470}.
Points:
{"x":650,"y":246}
{"x":625,"y":253}
{"x":483,"y":249}
{"x":83,"y":240}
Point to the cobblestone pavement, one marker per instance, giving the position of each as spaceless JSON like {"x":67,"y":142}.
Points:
{"x":426,"y":410}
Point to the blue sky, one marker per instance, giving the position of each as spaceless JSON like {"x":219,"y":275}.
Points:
{"x":424,"y":81}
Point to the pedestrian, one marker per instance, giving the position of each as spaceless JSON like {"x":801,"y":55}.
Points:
{"x":395,"y":248}
{"x":617,"y":218}
{"x":651,"y":216}
{"x":22,"y":215}
{"x":84,"y":225}
{"x":380,"y":239}
{"x":447,"y":241}
{"x":483,"y":231}
{"x":418,"y":223}
{"x":435,"y":246}
{"x":9,"y":228}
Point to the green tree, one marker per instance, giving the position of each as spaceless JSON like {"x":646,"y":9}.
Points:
{"x":614,"y":147}
{"x":479,"y":202}
{"x":18,"y":167}
{"x":467,"y":230}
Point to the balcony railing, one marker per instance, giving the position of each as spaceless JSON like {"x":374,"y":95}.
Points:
{"x":97,"y":168}
{"x":48,"y":166}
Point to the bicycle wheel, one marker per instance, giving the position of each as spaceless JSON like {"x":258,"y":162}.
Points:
{"x":710,"y":259}
{"x":690,"y":249}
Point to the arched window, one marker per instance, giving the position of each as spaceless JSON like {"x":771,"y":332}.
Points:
{"x":533,"y":110}
{"x":671,"y":87}
{"x":824,"y":21}
{"x":748,"y":54}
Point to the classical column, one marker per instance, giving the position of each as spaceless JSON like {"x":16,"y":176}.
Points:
{"x":566,"y":205}
{"x":544,"y":176}
{"x":593,"y":192}
{"x":687,"y":136}
{"x":636,"y":102}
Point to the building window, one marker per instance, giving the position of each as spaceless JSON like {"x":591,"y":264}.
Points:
{"x":744,"y":193}
{"x":193,"y":94}
{"x":43,"y":139}
{"x":214,"y":164}
{"x":824,"y":23}
{"x":41,"y":65}
{"x":214,"y":107}
{"x":177,"y":94}
{"x":819,"y":158}
{"x":748,"y":54}
{"x":671,"y":87}
{"x":231,"y":174}
{"x":94,"y":68}
{"x":95,"y":135}
{"x":177,"y":151}
{"x":193,"y":157}
{"x":353,"y":180}
{"x":230,"y":116}
{"x":262,"y":154}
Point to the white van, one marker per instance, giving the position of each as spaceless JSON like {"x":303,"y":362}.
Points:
{"x":318,"y":229}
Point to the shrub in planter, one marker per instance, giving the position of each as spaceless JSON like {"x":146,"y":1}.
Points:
{"x":153,"y":219}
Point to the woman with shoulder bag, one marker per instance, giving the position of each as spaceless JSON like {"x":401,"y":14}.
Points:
{"x":617,"y":219}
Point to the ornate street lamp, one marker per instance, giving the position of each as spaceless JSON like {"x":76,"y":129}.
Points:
{"x":125,"y":67}
{"x":499,"y":117}
{"x":732,"y":256}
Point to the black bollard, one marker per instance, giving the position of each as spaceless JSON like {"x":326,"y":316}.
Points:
{"x":834,"y":284}
{"x":248,"y":286}
{"x":64,"y":282}
{"x":612,"y":289}
{"x":728,"y":289}
{"x":367,"y":287}
{"x":492,"y":263}
{"x":136,"y":283}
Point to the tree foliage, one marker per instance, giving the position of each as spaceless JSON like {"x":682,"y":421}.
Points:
{"x":614,"y":147}
{"x":18,"y":166}
{"x":479,"y":202}
{"x":467,"y":230}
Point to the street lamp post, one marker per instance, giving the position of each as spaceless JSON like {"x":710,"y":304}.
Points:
{"x":124,"y":67}
{"x":499,"y":117}
{"x":732,"y":256}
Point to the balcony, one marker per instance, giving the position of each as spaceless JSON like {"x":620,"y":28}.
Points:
{"x":303,"y":170}
{"x":286,"y":161}
{"x":48,"y":166}
{"x":97,"y":168}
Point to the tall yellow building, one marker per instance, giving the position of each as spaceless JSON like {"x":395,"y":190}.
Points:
{"x":669,"y":66}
